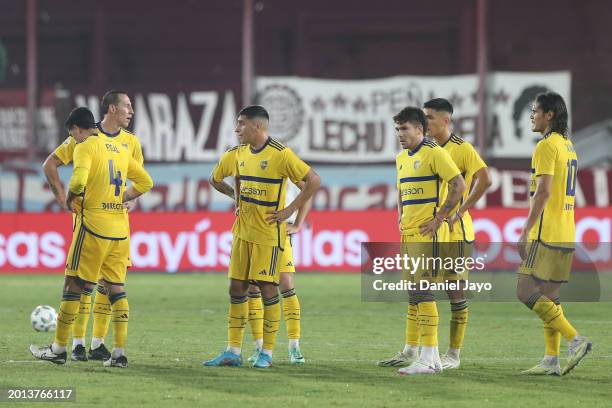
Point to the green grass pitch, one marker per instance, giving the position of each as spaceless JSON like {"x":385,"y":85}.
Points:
{"x":179,"y":320}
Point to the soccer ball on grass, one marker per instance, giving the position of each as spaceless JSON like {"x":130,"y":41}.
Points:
{"x":44,"y":318}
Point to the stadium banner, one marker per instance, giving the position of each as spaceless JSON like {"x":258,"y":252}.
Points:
{"x":201,"y":241}
{"x":13,"y":122}
{"x":185,"y":187}
{"x":348,"y":121}
{"x":327,"y":121}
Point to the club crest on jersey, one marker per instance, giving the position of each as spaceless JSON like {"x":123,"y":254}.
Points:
{"x":125,"y":145}
{"x":263,"y":164}
{"x":416,"y":164}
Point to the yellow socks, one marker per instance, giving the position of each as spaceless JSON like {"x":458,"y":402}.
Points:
{"x":272,"y":315}
{"x":101,"y":314}
{"x":552,"y":315}
{"x":291,"y":314}
{"x":552,"y":338}
{"x":412,"y":326}
{"x":428,"y":323}
{"x":121,"y":315}
{"x":80,"y":325}
{"x":458,"y":323}
{"x":237,"y":319}
{"x":69,"y":308}
{"x":256,"y":316}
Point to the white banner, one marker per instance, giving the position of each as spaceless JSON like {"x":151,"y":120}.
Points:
{"x":351,"y":120}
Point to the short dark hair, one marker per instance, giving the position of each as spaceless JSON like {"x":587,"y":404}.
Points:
{"x":111,"y":98}
{"x":553,"y":102}
{"x":413,"y":115}
{"x":439,"y":105}
{"x":81,"y":118}
{"x":255,"y":111}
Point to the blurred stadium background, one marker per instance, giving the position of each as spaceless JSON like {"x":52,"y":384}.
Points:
{"x":331,"y":73}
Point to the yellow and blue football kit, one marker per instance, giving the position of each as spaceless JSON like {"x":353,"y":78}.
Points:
{"x":257,"y":245}
{"x":550,"y":250}
{"x":101,"y":306}
{"x":420,"y":176}
{"x":65,"y":151}
{"x":101,"y":229}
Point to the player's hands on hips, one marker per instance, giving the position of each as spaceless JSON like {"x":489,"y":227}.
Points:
{"x":453,"y":220}
{"x":293,"y":228}
{"x":522,"y":245}
{"x":280,"y":215}
{"x":130,"y":205}
{"x":75,"y":205}
{"x":430,"y":227}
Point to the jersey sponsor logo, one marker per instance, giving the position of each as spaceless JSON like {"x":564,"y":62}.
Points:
{"x":263,"y":164}
{"x":241,"y":163}
{"x":411,"y":191}
{"x":262,"y":272}
{"x":253,"y":191}
{"x":112,"y":206}
{"x":290,"y":263}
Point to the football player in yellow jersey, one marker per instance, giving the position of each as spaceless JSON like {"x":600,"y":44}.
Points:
{"x":292,"y":313}
{"x":546,"y":242}
{"x":262,"y":166}
{"x":438,"y":112}
{"x":420,"y":168}
{"x":99,"y":244}
{"x":118,"y":113}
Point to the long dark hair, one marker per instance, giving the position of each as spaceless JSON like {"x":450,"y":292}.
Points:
{"x":553,"y":102}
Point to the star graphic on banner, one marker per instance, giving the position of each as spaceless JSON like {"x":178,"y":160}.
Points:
{"x":501,"y":96}
{"x":318,"y":104}
{"x":456,"y":100}
{"x":339,"y":101}
{"x":359,"y":105}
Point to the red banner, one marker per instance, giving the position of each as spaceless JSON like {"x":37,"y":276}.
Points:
{"x":39,"y":242}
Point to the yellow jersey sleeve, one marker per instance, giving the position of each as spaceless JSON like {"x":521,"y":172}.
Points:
{"x":137,"y":154}
{"x":141,"y":180}
{"x":226,"y":167}
{"x":82,"y":164}
{"x":294,"y":167}
{"x":544,"y":158}
{"x":65,"y":151}
{"x":443,"y":165}
{"x":471,"y":160}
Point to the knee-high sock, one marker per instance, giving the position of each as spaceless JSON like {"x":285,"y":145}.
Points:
{"x":458,"y":323}
{"x":552,"y":338}
{"x":69,"y":308}
{"x":552,"y":315}
{"x":428,"y":323}
{"x":237,"y":319}
{"x":101,"y":313}
{"x":121,"y":315}
{"x":256,"y":315}
{"x":272,"y":315}
{"x":292,"y":314}
{"x":412,"y":325}
{"x":80,"y":324}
